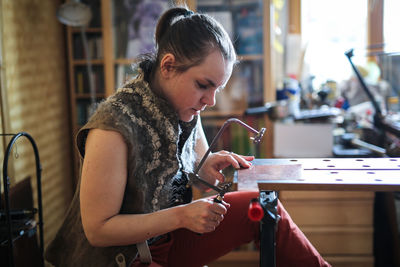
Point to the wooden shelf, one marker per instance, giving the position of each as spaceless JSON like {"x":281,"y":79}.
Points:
{"x":89,"y":30}
{"x":83,"y":62}
{"x":88,"y":96}
{"x":221,"y":114}
{"x":124,"y":61}
{"x":251,"y":57}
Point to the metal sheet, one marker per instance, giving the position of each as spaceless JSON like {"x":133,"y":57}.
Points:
{"x":369,"y":174}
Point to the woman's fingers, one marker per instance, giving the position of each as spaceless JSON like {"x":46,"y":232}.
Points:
{"x":205,"y":215}
{"x":216,"y":214}
{"x":216,"y":162}
{"x":239,"y":161}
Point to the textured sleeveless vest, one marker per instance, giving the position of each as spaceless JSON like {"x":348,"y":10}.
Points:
{"x":160,"y":147}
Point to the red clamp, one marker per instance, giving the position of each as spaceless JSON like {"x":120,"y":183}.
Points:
{"x":256,"y":212}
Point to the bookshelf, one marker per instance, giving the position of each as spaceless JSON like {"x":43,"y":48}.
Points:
{"x":81,"y":97}
{"x":246,"y":24}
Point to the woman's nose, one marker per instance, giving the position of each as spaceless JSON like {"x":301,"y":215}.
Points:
{"x":209,"y":98}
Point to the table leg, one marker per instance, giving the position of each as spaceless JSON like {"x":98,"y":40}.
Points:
{"x":268,"y":225}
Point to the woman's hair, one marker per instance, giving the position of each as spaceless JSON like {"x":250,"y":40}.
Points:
{"x":190,"y":37}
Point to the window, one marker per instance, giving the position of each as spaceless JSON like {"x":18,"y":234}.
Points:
{"x":391,"y":22}
{"x":329,"y":29}
{"x":390,"y":60}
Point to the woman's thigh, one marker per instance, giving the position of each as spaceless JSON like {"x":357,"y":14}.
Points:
{"x":192,"y":249}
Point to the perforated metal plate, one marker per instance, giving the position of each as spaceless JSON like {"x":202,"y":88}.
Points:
{"x":358,"y":174}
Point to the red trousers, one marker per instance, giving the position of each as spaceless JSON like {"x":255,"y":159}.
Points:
{"x":187,"y":249}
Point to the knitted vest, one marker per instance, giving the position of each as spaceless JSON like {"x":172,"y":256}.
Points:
{"x":160,"y":147}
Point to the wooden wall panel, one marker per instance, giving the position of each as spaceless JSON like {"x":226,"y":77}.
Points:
{"x":35,"y":86}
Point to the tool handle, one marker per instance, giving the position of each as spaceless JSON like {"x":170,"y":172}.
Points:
{"x":218,"y":199}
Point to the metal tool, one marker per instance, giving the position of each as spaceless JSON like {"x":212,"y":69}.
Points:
{"x":224,"y":187}
{"x":220,"y":189}
{"x":379,"y":120}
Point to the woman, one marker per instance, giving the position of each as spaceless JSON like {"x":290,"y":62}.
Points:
{"x":135,"y":149}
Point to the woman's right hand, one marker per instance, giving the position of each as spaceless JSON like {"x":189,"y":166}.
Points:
{"x":203,"y":215}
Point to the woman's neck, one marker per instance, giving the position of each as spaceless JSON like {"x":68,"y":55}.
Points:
{"x":155,"y":85}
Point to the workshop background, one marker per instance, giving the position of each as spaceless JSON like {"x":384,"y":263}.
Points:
{"x":297,"y":77}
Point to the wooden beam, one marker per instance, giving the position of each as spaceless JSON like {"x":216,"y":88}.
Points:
{"x":375,"y":26}
{"x":108,"y":52}
{"x":295,"y":16}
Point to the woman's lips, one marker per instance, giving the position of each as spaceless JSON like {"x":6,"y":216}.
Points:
{"x":197,"y":111}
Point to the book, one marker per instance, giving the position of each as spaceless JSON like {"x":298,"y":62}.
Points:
{"x":79,"y":82}
{"x":204,"y":3}
{"x":81,"y":112}
{"x":249,"y":25}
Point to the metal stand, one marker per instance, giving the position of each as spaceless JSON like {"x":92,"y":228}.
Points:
{"x":268,"y":225}
{"x":6,"y":183}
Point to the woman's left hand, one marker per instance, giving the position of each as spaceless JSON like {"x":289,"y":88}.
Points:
{"x":215,"y":162}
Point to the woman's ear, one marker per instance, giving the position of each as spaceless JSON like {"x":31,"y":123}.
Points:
{"x":167,"y":65}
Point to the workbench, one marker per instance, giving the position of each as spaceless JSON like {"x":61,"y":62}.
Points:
{"x":314,"y":174}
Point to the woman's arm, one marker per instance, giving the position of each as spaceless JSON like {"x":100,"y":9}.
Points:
{"x":104,"y":177}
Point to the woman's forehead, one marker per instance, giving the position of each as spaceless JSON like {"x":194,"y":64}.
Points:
{"x":214,"y":69}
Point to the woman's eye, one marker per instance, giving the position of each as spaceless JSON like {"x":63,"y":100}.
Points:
{"x":201,"y":86}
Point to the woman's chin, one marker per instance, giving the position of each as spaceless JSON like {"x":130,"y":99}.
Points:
{"x":186,"y":117}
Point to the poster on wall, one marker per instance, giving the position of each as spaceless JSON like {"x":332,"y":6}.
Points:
{"x":134,"y":26}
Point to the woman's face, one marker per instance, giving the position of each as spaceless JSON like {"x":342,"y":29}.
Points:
{"x":192,"y":91}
